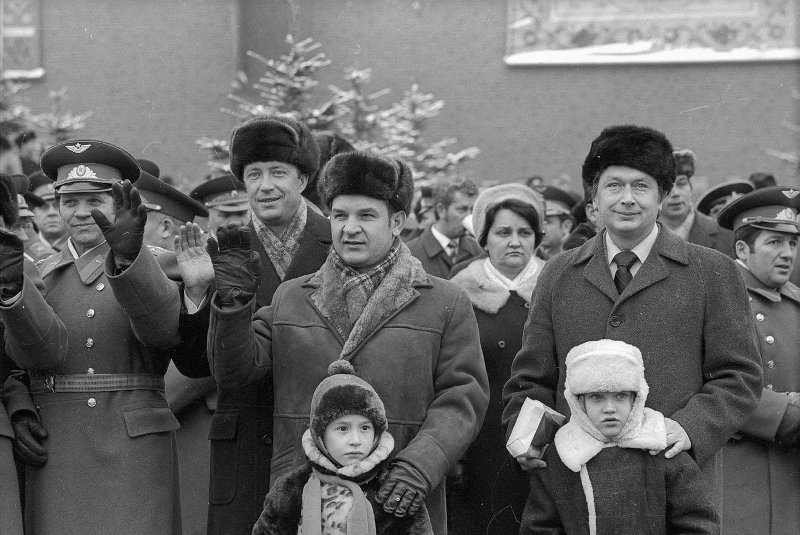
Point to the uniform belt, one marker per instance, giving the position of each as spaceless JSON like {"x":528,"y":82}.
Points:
{"x":98,"y":382}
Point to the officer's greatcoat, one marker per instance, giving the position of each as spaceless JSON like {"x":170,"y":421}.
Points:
{"x":111,"y":464}
{"x":761,"y":479}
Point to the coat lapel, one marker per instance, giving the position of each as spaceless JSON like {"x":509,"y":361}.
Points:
{"x":597,"y":271}
{"x":90,"y":265}
{"x":655,"y":268}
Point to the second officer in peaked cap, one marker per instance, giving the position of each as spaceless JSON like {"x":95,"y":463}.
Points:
{"x":96,"y":347}
{"x":226,"y":200}
{"x":761,"y":490}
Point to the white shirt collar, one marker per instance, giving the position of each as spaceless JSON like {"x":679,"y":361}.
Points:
{"x":642,"y":249}
{"x":443,"y":240}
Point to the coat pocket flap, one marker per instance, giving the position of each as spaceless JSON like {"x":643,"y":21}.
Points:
{"x":146,"y":420}
{"x":223,"y":425}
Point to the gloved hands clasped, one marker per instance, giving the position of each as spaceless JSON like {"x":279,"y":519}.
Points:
{"x":403,"y":491}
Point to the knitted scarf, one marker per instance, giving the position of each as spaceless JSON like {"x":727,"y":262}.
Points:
{"x":356,"y":303}
{"x":360,"y":519}
{"x":281,"y":249}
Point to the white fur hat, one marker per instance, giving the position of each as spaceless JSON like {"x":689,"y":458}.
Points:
{"x":606,"y":366}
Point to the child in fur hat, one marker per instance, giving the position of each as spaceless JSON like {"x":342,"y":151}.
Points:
{"x":347,"y":446}
{"x":607,"y":474}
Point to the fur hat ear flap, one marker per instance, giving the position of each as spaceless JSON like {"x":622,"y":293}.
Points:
{"x":370,"y":175}
{"x":637,"y":147}
{"x":273,"y":138}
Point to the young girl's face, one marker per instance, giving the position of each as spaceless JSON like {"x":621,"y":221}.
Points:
{"x":608,"y":411}
{"x":349,"y":438}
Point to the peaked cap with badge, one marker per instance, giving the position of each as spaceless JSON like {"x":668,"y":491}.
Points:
{"x":557,"y":201}
{"x":87,"y":165}
{"x":775,"y":208}
{"x":637,"y":147}
{"x":725,"y":192}
{"x":161,"y":197}
{"x":41,"y":186}
{"x":225,"y":193}
{"x":273,"y":138}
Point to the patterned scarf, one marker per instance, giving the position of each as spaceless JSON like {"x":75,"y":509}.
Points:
{"x":357,"y":287}
{"x":281,"y":249}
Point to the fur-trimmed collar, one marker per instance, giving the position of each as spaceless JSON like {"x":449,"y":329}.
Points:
{"x":394,"y":292}
{"x":487,"y":294}
{"x":352,"y":471}
{"x":576,"y":446}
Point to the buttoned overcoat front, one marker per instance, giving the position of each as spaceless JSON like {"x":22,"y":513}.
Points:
{"x":686,"y":310}
{"x":111,"y":464}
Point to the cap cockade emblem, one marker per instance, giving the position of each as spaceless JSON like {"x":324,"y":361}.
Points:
{"x":78,"y":148}
{"x":786,"y":214}
{"x":81,"y":171}
{"x":234,"y":193}
{"x":791,"y":194}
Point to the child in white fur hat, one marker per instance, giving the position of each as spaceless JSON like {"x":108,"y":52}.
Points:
{"x":606,"y":473}
{"x":347,"y":445}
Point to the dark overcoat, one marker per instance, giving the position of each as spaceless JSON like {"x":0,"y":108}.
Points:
{"x":424,"y":361}
{"x":492,"y":496}
{"x":435,"y":260}
{"x":706,"y":232}
{"x":761,"y":479}
{"x":111,"y":464}
{"x":241,"y":428}
{"x":686,"y":310}
{"x":634,"y":494}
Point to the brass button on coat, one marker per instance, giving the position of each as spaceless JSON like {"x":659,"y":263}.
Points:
{"x":770,"y":339}
{"x":760,"y":316}
{"x":91,"y":402}
{"x":89,"y":342}
{"x":90,"y":313}
{"x":100,"y":287}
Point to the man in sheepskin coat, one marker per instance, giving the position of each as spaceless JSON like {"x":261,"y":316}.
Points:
{"x":601,"y":477}
{"x":684,"y":306}
{"x":413,"y":337}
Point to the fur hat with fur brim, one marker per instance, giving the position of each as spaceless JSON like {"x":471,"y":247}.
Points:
{"x":362,"y":173}
{"x":343,"y":393}
{"x":684,"y":162}
{"x":273,"y":138}
{"x":637,"y":147}
{"x":606,"y":366}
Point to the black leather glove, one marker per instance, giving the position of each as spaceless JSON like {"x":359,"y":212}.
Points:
{"x":788,"y":432}
{"x":28,"y":437}
{"x":126,"y":233}
{"x":11,"y":254}
{"x":403,"y":491}
{"x":237,"y":267}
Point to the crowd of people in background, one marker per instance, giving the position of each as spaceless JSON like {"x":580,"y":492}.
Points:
{"x":312,"y":343}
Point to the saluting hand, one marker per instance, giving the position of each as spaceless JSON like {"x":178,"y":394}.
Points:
{"x":12,"y":252}
{"x":237,"y":267}
{"x":194,"y":262}
{"x":125,"y":234}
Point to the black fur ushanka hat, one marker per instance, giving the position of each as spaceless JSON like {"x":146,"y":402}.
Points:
{"x":637,"y":147}
{"x":273,"y":138}
{"x":362,"y":173}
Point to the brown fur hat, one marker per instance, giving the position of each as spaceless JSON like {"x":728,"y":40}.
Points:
{"x":342,"y":393}
{"x":273,"y":138}
{"x":637,"y":147}
{"x":362,"y":173}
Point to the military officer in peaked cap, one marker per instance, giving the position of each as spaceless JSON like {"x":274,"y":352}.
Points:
{"x":191,"y":398}
{"x":226,"y":200}
{"x":762,"y":463}
{"x":558,"y":221}
{"x":111,"y":464}
{"x":715,"y":199}
{"x":52,"y":230}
